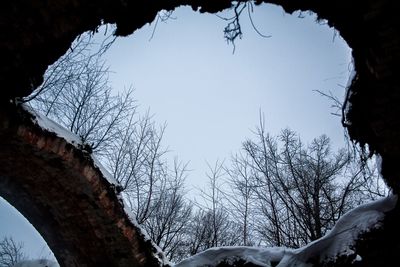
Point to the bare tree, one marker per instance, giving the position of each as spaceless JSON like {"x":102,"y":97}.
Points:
{"x":153,"y":189}
{"x":209,"y":229}
{"x":168,"y":224}
{"x":136,"y":161}
{"x":72,"y":64}
{"x":211,"y":225}
{"x":76,"y":93}
{"x":214,"y":202}
{"x":301,"y":190}
{"x":241,"y":196}
{"x":11,"y":252}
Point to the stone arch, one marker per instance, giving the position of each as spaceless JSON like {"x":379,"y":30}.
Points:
{"x":67,"y":198}
{"x":35,"y":34}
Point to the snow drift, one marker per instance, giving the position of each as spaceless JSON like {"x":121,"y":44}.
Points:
{"x":337,"y":242}
{"x":37,"y":263}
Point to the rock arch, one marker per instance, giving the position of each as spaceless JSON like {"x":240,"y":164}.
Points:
{"x":64,"y":194}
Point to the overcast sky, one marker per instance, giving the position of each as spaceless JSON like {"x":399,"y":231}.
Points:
{"x":211,"y":97}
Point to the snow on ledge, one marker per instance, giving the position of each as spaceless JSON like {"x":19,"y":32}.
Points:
{"x":346,"y":231}
{"x":264,"y":257}
{"x":51,"y":126}
{"x":335,"y":243}
{"x":347,"y":104}
{"x":158,"y":254}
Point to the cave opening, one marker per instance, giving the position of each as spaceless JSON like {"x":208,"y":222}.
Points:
{"x":236,"y":51}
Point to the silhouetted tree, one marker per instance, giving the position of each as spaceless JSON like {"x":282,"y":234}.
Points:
{"x":76,"y":93}
{"x":301,"y":190}
{"x":241,"y":197}
{"x":169,"y":222}
{"x":11,"y":252}
{"x":211,"y":225}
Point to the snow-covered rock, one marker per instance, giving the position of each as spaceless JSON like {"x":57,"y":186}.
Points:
{"x":337,"y":242}
{"x":51,"y":126}
{"x":347,"y":104}
{"x":37,"y":263}
{"x":264,"y":257}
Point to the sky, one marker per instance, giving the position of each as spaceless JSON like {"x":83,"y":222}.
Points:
{"x":13,"y":224}
{"x":211,"y":98}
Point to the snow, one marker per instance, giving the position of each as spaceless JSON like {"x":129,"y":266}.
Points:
{"x":37,"y":263}
{"x":103,"y":170}
{"x":338,"y":241}
{"x":349,"y":93}
{"x":358,"y":258}
{"x":159,"y":253}
{"x":260,"y":256}
{"x":51,"y":126}
{"x":343,"y":235}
